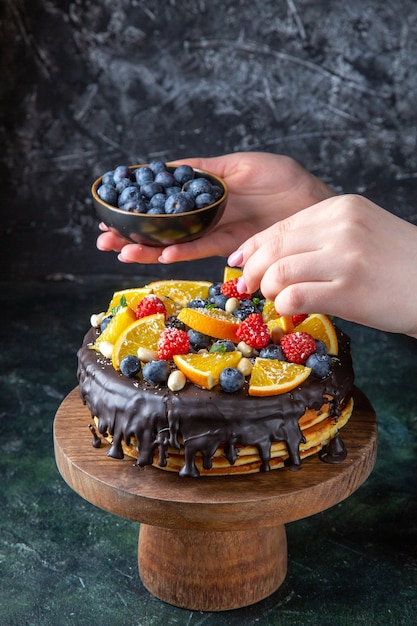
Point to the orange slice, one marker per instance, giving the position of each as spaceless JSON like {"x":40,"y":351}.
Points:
{"x":172,"y":307}
{"x":268,"y":312}
{"x":271,"y":377}
{"x":284,"y":321}
{"x":123,"y":318}
{"x":204,"y":369}
{"x":229,"y":273}
{"x":321,"y":327}
{"x":131,"y":297}
{"x":143,"y":333}
{"x":213,"y":322}
{"x":181,"y":291}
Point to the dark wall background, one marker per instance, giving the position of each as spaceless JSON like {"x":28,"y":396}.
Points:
{"x":88,"y":85}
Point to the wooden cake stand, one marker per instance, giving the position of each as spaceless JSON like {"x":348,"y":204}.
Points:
{"x":211,"y":543}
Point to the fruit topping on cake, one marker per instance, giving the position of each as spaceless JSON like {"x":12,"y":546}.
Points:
{"x":209,"y":335}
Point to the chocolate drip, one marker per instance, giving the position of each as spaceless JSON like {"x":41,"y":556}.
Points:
{"x":202,"y":419}
{"x":334,"y":452}
{"x":96,"y":441}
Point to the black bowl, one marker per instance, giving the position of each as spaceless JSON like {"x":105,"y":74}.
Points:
{"x":165,"y":229}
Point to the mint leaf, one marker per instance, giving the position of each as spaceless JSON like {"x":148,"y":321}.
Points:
{"x":219,"y":347}
{"x":122,"y":304}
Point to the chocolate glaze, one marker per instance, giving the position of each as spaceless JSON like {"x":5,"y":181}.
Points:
{"x":158,"y":417}
{"x":96,"y":441}
{"x":334,"y":452}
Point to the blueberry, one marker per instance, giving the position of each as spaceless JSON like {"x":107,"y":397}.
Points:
{"x":231,"y":379}
{"x":321,"y":364}
{"x":272,"y":352}
{"x":107,"y":179}
{"x":130,"y":366}
{"x":122,"y":184}
{"x":171,"y":190}
{"x":158,"y":200}
{"x":174,"y":322}
{"x":121,"y":171}
{"x":199,"y":185}
{"x":215,"y":289}
{"x":197,"y":303}
{"x":157,"y":166}
{"x":108,"y":194}
{"x":128,"y":206}
{"x":222,"y":346}
{"x":217,"y":192}
{"x":105,"y":322}
{"x":190,"y":198}
{"x":144,"y":175}
{"x":177,"y":203}
{"x":183,"y":173}
{"x":198,"y":340}
{"x":321,"y":347}
{"x":156,"y":210}
{"x":156,"y":372}
{"x":203,"y":200}
{"x":150,"y":189}
{"x":130,"y":193}
{"x":137,"y":206}
{"x":245,"y":308}
{"x":165,"y":178}
{"x":219,"y":301}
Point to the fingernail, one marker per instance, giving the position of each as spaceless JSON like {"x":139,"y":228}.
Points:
{"x":241,"y":285}
{"x":235,"y":258}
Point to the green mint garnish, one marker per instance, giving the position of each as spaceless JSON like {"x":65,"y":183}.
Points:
{"x":219,"y":347}
{"x":122,"y":304}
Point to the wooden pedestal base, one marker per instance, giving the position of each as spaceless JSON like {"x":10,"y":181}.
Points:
{"x":211,"y":543}
{"x":230,"y":569}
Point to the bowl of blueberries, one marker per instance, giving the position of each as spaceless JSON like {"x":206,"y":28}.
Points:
{"x":158,"y":203}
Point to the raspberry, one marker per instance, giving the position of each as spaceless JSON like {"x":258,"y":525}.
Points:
{"x":253,"y":331}
{"x":149,"y":305}
{"x":229,"y":290}
{"x":297,"y":319}
{"x":298,"y":346}
{"x":172,"y":341}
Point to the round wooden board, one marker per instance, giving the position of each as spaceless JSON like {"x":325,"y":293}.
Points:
{"x":156,"y":497}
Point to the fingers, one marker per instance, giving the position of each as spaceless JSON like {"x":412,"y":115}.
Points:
{"x":304,"y":268}
{"x":272,"y":253}
{"x":219,"y":242}
{"x":199,"y":249}
{"x":320,"y":248}
{"x":110,"y":242}
{"x":128,"y":252}
{"x":312,"y":297}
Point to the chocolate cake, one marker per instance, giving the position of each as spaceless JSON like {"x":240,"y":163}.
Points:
{"x":219,"y":429}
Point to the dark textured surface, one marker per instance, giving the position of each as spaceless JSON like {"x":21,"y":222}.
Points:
{"x":64,"y":561}
{"x":88,"y":85}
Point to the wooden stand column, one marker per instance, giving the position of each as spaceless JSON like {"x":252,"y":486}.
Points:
{"x":211,"y":543}
{"x":229,"y":569}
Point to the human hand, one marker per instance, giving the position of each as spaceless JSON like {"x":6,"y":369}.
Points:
{"x":344,"y":256}
{"x":263,"y":188}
